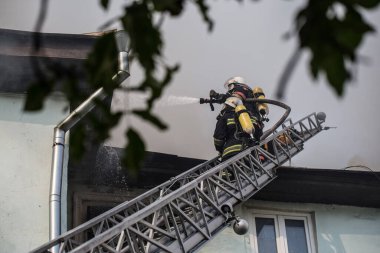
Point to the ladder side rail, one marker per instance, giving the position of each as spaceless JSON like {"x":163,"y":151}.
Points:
{"x":283,"y":159}
{"x":295,"y":150}
{"x":305,"y":117}
{"x":206,"y":238}
{"x":196,"y":243}
{"x":314,"y":127}
{"x":133,"y":218}
{"x":183,"y":174}
{"x":273,"y":136}
{"x":97,"y":221}
{"x":300,"y":124}
{"x":201,"y":170}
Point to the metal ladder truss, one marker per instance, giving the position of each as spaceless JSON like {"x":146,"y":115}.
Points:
{"x":183,"y":213}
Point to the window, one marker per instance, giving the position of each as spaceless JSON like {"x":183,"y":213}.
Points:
{"x":282,"y":233}
{"x":87,"y":205}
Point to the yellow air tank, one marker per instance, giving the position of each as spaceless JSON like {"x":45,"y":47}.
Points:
{"x":261,"y":107}
{"x":244,"y":119}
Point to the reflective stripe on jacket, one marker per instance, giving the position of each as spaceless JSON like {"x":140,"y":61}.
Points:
{"x":232,"y":149}
{"x":225,"y":140}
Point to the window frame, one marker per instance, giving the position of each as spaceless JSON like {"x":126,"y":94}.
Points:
{"x":280,"y":230}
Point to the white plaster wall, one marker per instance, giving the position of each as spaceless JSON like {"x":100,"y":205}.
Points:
{"x":337,"y":229}
{"x":25,"y":158}
{"x":348,"y":229}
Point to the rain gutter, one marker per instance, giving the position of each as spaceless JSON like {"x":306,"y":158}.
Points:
{"x":59,"y":140}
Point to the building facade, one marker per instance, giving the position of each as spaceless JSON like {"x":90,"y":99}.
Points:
{"x":309,"y":211}
{"x":301,"y":211}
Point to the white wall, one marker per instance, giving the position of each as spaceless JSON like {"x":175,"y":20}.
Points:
{"x":348,"y":229}
{"x":338,"y":229}
{"x":25,"y":158}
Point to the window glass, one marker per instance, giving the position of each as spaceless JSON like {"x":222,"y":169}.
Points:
{"x":296,"y":236}
{"x":266,"y":235}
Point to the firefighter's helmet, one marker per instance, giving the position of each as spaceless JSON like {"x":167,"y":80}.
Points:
{"x":237,"y":80}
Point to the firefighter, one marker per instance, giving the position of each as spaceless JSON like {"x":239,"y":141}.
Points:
{"x":237,"y":87}
{"x":235,"y":129}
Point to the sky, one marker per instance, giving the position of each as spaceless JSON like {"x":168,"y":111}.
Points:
{"x":247,"y":41}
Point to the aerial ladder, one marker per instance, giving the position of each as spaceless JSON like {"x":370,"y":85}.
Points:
{"x":187,"y":211}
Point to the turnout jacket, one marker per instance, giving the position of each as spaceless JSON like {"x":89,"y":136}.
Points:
{"x":228,"y":136}
{"x":245,"y":92}
{"x":226,"y":141}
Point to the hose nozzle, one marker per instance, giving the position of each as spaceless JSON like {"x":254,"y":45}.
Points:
{"x":204,"y":100}
{"x":215,"y":98}
{"x":207,"y":101}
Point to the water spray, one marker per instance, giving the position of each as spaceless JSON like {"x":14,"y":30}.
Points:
{"x":137,"y":100}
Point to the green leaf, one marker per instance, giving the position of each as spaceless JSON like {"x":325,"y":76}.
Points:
{"x":203,"y":8}
{"x":336,"y":71}
{"x":103,"y":120}
{"x":145,"y":38}
{"x":350,"y":31}
{"x":77,"y":141}
{"x":156,"y":86}
{"x":102,"y":64}
{"x":148,"y":116}
{"x":332,"y":41}
{"x":40,"y":88}
{"x":369,"y":4}
{"x":104,"y":4}
{"x":36,"y":95}
{"x":174,"y":7}
{"x":314,"y":67}
{"x":134,"y":152}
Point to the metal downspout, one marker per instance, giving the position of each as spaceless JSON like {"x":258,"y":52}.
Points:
{"x":59,"y":144}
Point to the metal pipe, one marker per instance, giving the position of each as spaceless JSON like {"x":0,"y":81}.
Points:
{"x":59,"y":146}
{"x":55,"y":183}
{"x":88,"y":104}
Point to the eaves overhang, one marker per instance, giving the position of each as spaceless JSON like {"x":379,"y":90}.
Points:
{"x":326,"y":186}
{"x":18,"y":55}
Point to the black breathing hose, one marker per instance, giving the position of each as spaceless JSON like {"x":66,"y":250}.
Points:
{"x":280,"y":121}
